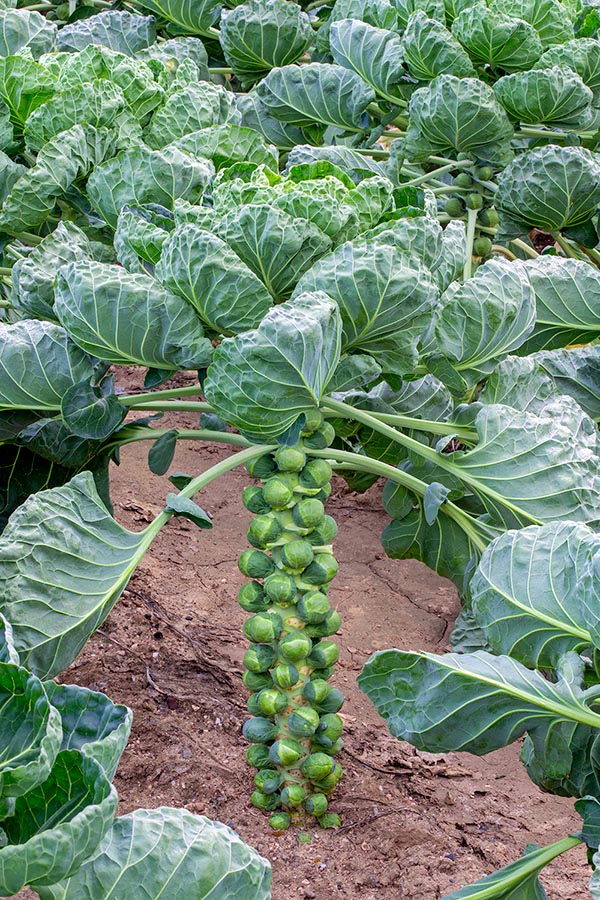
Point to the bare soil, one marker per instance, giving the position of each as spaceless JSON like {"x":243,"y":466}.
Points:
{"x":416,"y":826}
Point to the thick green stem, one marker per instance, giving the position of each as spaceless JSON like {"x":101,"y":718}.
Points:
{"x":525,"y":248}
{"x":193,"y":390}
{"x":173,"y":406}
{"x":429,"y":176}
{"x":471,"y":223}
{"x":567,"y":248}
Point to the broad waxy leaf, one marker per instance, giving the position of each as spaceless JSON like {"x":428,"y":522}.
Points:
{"x":122,"y":31}
{"x":226,"y":144}
{"x":38,"y":363}
{"x":496,"y":39}
{"x":193,"y":16}
{"x":348,"y":160}
{"x":549,"y":188}
{"x":318,"y":92}
{"x":138,"y":237}
{"x":385,"y":300}
{"x":582,"y":55}
{"x":20,"y":29}
{"x":259,"y":35}
{"x":459,"y":115}
{"x":547,"y":17}
{"x":126,"y":318}
{"x":554,"y":96}
{"x":525,"y":593}
{"x":521,"y":382}
{"x":434,"y":9}
{"x":139,"y":176}
{"x":169,"y":854}
{"x":256,"y":116}
{"x":91,"y":410}
{"x":189,"y":110}
{"x":57,"y":825}
{"x":177,"y":50}
{"x":566,"y":761}
{"x":64,"y":562}
{"x":430,"y":50}
{"x":261,"y":381}
{"x":24,"y":85}
{"x":22,"y":473}
{"x":575,"y":372}
{"x":374,"y":54}
{"x":202,"y":268}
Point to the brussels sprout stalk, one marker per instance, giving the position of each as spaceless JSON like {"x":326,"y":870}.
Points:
{"x":295,"y":730}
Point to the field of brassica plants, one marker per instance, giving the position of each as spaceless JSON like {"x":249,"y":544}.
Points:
{"x":346,"y":250}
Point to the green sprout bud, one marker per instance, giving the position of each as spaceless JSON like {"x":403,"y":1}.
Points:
{"x":488,"y":217}
{"x":316,"y":805}
{"x":324,"y":493}
{"x":335,"y":748}
{"x":268,"y":780}
{"x":454,"y":207}
{"x":327,"y":785}
{"x":321,"y":438}
{"x":313,"y":421}
{"x":463,"y":180}
{"x":286,"y":752}
{"x":482,"y":246}
{"x":295,"y":646}
{"x":322,"y":674}
{"x":252,"y":705}
{"x":323,"y":654}
{"x":280,"y":588}
{"x":315,"y":474}
{"x":331,"y":820}
{"x":256,"y":681}
{"x":293,"y":795}
{"x":252,"y":598}
{"x":265,"y":801}
{"x":271,"y":702}
{"x":259,"y":658}
{"x":317,"y":766}
{"x":473,"y":201}
{"x":257,"y":755}
{"x":322,"y":569}
{"x":259,"y":730}
{"x":254,"y":564}
{"x":308,"y":513}
{"x":264,"y":530}
{"x":313,"y":607}
{"x":324,"y":533}
{"x":286,"y":676}
{"x":303,"y":722}
{"x":263,"y":627}
{"x":330,"y":625}
{"x":323,"y":697}
{"x":296,"y":556}
{"x":484,"y":173}
{"x":253,"y":499}
{"x":331,"y":726}
{"x":279,"y":491}
{"x":262,"y":466}
{"x":280,"y":821}
{"x":290,"y":459}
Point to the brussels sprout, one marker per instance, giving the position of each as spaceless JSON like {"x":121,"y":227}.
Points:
{"x":290,"y":459}
{"x":331,"y":820}
{"x":303,"y":722}
{"x":325,"y":653}
{"x":321,"y":438}
{"x":463,"y":180}
{"x":482,"y":246}
{"x":268,"y":780}
{"x":313,"y":421}
{"x":256,"y":681}
{"x":473,"y":201}
{"x":259,"y":658}
{"x":253,"y":499}
{"x":280,"y":821}
{"x":257,"y":755}
{"x":252,"y":705}
{"x":484,"y":173}
{"x":254,"y":564}
{"x":271,"y":702}
{"x":316,"y":805}
{"x":259,"y":730}
{"x":323,"y":697}
{"x":335,"y":747}
{"x":454,"y":207}
{"x":264,"y":530}
{"x":280,"y":588}
{"x":322,"y":674}
{"x":265,"y":801}
{"x":330,"y":725}
{"x":313,"y":607}
{"x":308,"y":513}
{"x":252,"y":597}
{"x":286,"y":752}
{"x":286,"y":676}
{"x":488,"y":217}
{"x":315,"y":474}
{"x":330,"y":625}
{"x":324,"y":533}
{"x":322,"y":569}
{"x":261,"y":467}
{"x":324,"y":493}
{"x":263,"y":627}
{"x":328,"y":783}
{"x":296,"y":556}
{"x":293,"y":795}
{"x":295,"y":646}
{"x":317,"y":766}
{"x":278,"y":491}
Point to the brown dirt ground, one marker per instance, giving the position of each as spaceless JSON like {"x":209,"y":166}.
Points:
{"x":416,"y":826}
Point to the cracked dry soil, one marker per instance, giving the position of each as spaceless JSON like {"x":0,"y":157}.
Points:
{"x":416,"y":826}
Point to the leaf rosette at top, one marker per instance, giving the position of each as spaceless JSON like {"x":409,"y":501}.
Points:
{"x":549,"y":188}
{"x":429,"y":50}
{"x":460,"y":115}
{"x":548,"y":17}
{"x":229,"y":143}
{"x":582,"y":55}
{"x":374,"y":54}
{"x":191,"y":109}
{"x":555,"y":96}
{"x":261,"y":381}
{"x":261,"y":35}
{"x":496,"y":39}
{"x":125,"y":32}
{"x":434,"y":9}
{"x":173,"y":52}
{"x":22,"y":29}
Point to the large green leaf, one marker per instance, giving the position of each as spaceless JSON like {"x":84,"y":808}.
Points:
{"x":259,"y":35}
{"x":122,"y":31}
{"x":64,"y":563}
{"x":520,"y":382}
{"x":57,"y":825}
{"x":374,"y":54}
{"x":575,"y":372}
{"x":139,"y":236}
{"x":175,"y":51}
{"x":348,"y":160}
{"x":200,"y":267}
{"x":193,"y":16}
{"x":434,"y":9}
{"x":21,"y":29}
{"x":458,"y":115}
{"x":582,"y":55}
{"x":548,"y":188}
{"x":555,"y":96}
{"x":191,"y":109}
{"x":139,"y":176}
{"x":429,"y":50}
{"x":496,"y":39}
{"x":168,"y":854}
{"x":318,"y":92}
{"x":526,"y":593}
{"x":22,"y":472}
{"x":256,"y":116}
{"x":126,"y":318}
{"x":385,"y":299}
{"x":24,"y":85}
{"x":38,"y":363}
{"x":226,"y":144}
{"x":263,"y":380}
{"x":548,"y":17}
